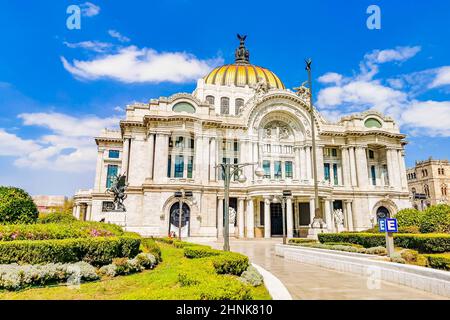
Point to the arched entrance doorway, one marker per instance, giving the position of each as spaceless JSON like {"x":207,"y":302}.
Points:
{"x":175,"y":219}
{"x":383,"y":213}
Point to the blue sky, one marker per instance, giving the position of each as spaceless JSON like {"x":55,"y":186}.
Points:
{"x":60,"y":87}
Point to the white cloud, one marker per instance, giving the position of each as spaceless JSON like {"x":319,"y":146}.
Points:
{"x":12,"y":145}
{"x":68,"y":125}
{"x":69,"y":147}
{"x":118,"y":36}
{"x":442,"y":77}
{"x":395,"y":97}
{"x":430,"y":118}
{"x":369,"y":65}
{"x":134,"y":65}
{"x":88,"y":9}
{"x":96,"y":46}
{"x":330,"y":77}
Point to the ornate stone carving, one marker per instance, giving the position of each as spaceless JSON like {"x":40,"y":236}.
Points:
{"x":232,"y":215}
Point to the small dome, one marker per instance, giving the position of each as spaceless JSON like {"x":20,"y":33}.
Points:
{"x":241,"y":72}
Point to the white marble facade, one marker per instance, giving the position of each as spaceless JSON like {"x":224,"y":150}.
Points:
{"x":175,"y":143}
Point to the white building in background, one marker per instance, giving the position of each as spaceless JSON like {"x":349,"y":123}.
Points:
{"x":243,"y":113}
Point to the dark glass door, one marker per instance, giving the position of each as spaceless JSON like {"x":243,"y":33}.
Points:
{"x":276,"y":219}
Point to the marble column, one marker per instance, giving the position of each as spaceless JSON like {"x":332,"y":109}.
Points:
{"x":320,"y":169}
{"x":125,"y":155}
{"x":349,"y":215}
{"x":199,"y":166}
{"x":240,"y":217}
{"x":289,"y":218}
{"x":267,"y":231}
{"x":345,"y":167}
{"x":99,"y":171}
{"x":390,"y":167}
{"x":212,"y":159}
{"x":151,"y":150}
{"x":351,"y":151}
{"x":396,"y":168}
{"x":361,"y":167}
{"x":327,"y":208}
{"x":308,"y":164}
{"x":250,"y":228}
{"x":312,"y":209}
{"x":303,"y":169}
{"x":161,"y":157}
{"x":296,"y":166}
{"x":219,"y":217}
{"x":78,"y":211}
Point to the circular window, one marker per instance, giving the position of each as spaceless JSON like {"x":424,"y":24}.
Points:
{"x":183,"y":107}
{"x":372,"y":123}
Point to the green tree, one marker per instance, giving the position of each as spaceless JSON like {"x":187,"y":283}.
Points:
{"x":409,"y":217}
{"x":16,"y":206}
{"x":436,"y":219}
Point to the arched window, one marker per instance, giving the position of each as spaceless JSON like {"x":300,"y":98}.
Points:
{"x":239,"y":103}
{"x":224,"y":105}
{"x":183,"y":107}
{"x":444,"y":189}
{"x":210,"y":99}
{"x":426,"y":190}
{"x":372,"y":123}
{"x":174,"y":223}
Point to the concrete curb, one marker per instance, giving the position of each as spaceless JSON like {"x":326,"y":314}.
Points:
{"x":275,"y":287}
{"x":425,"y":279}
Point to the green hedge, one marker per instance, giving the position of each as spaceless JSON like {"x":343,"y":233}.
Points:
{"x":425,"y":243}
{"x":439,"y":261}
{"x":96,"y":251}
{"x":47,"y":231}
{"x":230,"y":263}
{"x":56,"y":217}
{"x":194,"y":252}
{"x":302,"y":240}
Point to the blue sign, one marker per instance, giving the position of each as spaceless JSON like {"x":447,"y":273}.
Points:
{"x":388,"y":225}
{"x":382,"y":225}
{"x":391,"y":225}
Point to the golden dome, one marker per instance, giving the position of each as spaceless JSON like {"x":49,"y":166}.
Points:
{"x":241,"y":72}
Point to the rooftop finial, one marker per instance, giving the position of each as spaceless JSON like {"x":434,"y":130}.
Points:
{"x":242,"y":55}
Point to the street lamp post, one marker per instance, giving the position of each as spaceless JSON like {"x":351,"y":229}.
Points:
{"x":282,"y":199}
{"x":317,"y":221}
{"x":181,"y":195}
{"x":229,"y":170}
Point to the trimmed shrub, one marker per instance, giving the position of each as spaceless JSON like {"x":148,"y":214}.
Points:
{"x":230,"y":263}
{"x":194,"y":252}
{"x":15,"y":277}
{"x":221,"y":290}
{"x":49,"y":231}
{"x":16,"y":206}
{"x":397,"y":258}
{"x":409,"y":217}
{"x":424,"y":243}
{"x":436,"y":219}
{"x":252,"y":277}
{"x":124,"y":266}
{"x":439,"y":261}
{"x":410,"y":229}
{"x":149,"y":245}
{"x":409,"y":255}
{"x":187,"y":280}
{"x":56,"y":217}
{"x":96,"y":251}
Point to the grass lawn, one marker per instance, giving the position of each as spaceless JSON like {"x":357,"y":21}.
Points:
{"x":160,"y":283}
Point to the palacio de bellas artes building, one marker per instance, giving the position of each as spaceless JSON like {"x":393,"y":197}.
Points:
{"x":243,"y":113}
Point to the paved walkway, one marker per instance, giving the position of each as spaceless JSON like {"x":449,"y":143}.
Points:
{"x":312,"y":282}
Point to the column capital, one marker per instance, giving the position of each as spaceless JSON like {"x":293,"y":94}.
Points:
{"x":348,"y":201}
